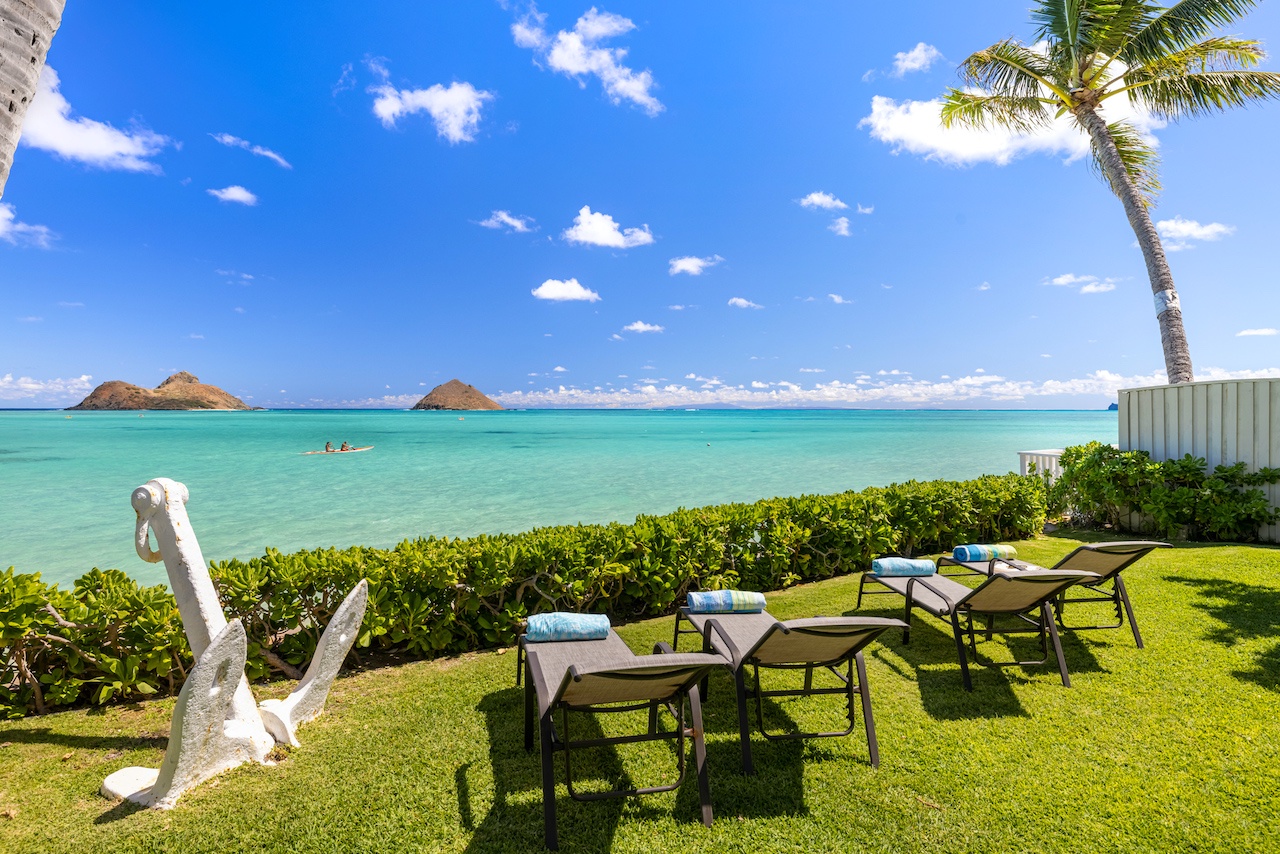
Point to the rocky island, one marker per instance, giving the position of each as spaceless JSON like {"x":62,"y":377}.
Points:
{"x":455,"y":395}
{"x":180,"y":391}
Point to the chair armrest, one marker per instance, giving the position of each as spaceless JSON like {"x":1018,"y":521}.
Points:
{"x":713,"y":626}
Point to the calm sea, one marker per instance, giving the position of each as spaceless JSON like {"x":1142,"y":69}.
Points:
{"x":65,"y":481}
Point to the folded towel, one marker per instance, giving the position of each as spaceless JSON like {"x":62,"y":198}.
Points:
{"x":981,"y":552}
{"x":726,"y":601}
{"x":899,"y":566}
{"x":565,"y":626}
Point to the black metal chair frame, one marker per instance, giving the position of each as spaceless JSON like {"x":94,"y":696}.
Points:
{"x":1118,"y":595}
{"x":1046,"y":627}
{"x":551,"y":741}
{"x":755,"y":691}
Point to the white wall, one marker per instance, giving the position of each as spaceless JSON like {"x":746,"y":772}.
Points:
{"x":1224,"y":422}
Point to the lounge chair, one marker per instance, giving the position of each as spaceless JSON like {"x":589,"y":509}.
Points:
{"x":606,"y":676}
{"x":1105,"y":559}
{"x":761,"y":640}
{"x":1013,"y":593}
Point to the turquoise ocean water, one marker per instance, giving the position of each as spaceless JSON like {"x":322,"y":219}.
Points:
{"x":65,"y":482}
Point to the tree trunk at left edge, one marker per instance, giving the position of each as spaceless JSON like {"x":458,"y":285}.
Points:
{"x":26,"y":28}
{"x":1177,"y":355}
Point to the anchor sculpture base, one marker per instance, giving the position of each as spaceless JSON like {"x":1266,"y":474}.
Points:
{"x":204,"y":739}
{"x":216,"y":725}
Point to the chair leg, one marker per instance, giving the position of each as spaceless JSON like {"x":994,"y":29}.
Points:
{"x":744,"y":722}
{"x":906,"y":618}
{"x":530,"y":701}
{"x":548,"y":784}
{"x":653,"y":717}
{"x":862,"y":580}
{"x":868,"y":720}
{"x":1128,"y":609}
{"x":964,"y":661}
{"x":700,"y":754}
{"x":1046,"y":618}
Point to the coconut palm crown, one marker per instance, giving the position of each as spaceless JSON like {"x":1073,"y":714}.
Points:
{"x":1166,"y":60}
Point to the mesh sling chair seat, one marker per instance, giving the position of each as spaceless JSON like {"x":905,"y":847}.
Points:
{"x":1006,"y":593}
{"x":1105,"y":559}
{"x":759,"y":640}
{"x":601,"y":676}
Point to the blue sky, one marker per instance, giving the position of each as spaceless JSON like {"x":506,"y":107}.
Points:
{"x":635,"y":204}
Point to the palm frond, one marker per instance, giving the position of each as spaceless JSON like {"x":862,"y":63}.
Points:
{"x":1182,"y":23}
{"x":1198,"y":93}
{"x":975,"y":110}
{"x":1141,"y":162}
{"x":1108,"y":25}
{"x":1011,"y":69}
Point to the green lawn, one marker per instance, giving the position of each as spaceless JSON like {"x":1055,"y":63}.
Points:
{"x":1175,"y":747}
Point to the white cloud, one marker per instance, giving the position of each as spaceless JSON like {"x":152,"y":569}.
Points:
{"x":560,"y":369}
{"x":676,"y":307}
{"x":504,"y":219}
{"x":812,"y":370}
{"x":49,"y":126}
{"x":839,"y":300}
{"x":641,"y":326}
{"x":234,"y":193}
{"x":26,"y":388}
{"x":870,"y":209}
{"x":919,"y":58}
{"x":985,"y":286}
{"x":31,"y":319}
{"x":916,"y":127}
{"x":580,"y":53}
{"x":1245,"y":333}
{"x":692,"y":265}
{"x":21,"y":233}
{"x":840,"y":225}
{"x":1089,"y":284}
{"x":825,"y":201}
{"x":564,"y":291}
{"x":599,"y":229}
{"x":896,"y":392}
{"x":236,"y":142}
{"x":455,"y":109}
{"x":1178,"y":233}
{"x":739,"y":302}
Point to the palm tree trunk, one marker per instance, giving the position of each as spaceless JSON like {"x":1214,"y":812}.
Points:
{"x":26,"y":28}
{"x":1177,"y":356}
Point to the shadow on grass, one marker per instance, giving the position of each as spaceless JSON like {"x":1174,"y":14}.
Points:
{"x":123,"y":809}
{"x":1245,"y":612}
{"x":45,"y":735}
{"x":933,"y":658}
{"x":514,"y":821}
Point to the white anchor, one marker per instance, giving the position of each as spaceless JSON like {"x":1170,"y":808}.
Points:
{"x":216,"y":724}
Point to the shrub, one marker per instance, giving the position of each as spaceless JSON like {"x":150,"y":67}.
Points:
{"x":110,"y":639}
{"x":1176,"y":499}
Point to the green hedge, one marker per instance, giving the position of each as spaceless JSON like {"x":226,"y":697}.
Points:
{"x":1175,"y":499}
{"x":110,"y":639}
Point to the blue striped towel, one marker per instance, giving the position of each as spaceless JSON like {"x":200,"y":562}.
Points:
{"x":980,"y":552}
{"x":725,"y":601}
{"x":566,"y":626}
{"x":899,"y":566}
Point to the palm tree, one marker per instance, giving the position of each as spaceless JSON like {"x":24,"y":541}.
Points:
{"x":26,"y":28}
{"x":1166,"y":61}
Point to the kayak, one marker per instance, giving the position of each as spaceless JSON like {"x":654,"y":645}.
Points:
{"x":336,"y":451}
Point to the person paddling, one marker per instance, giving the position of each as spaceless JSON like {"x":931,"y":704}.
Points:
{"x":346,"y":446}
{"x":328,"y":447}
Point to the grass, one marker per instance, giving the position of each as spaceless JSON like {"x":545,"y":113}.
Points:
{"x":1171,"y":748}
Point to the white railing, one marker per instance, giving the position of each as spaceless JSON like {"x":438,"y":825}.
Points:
{"x":1041,"y":461}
